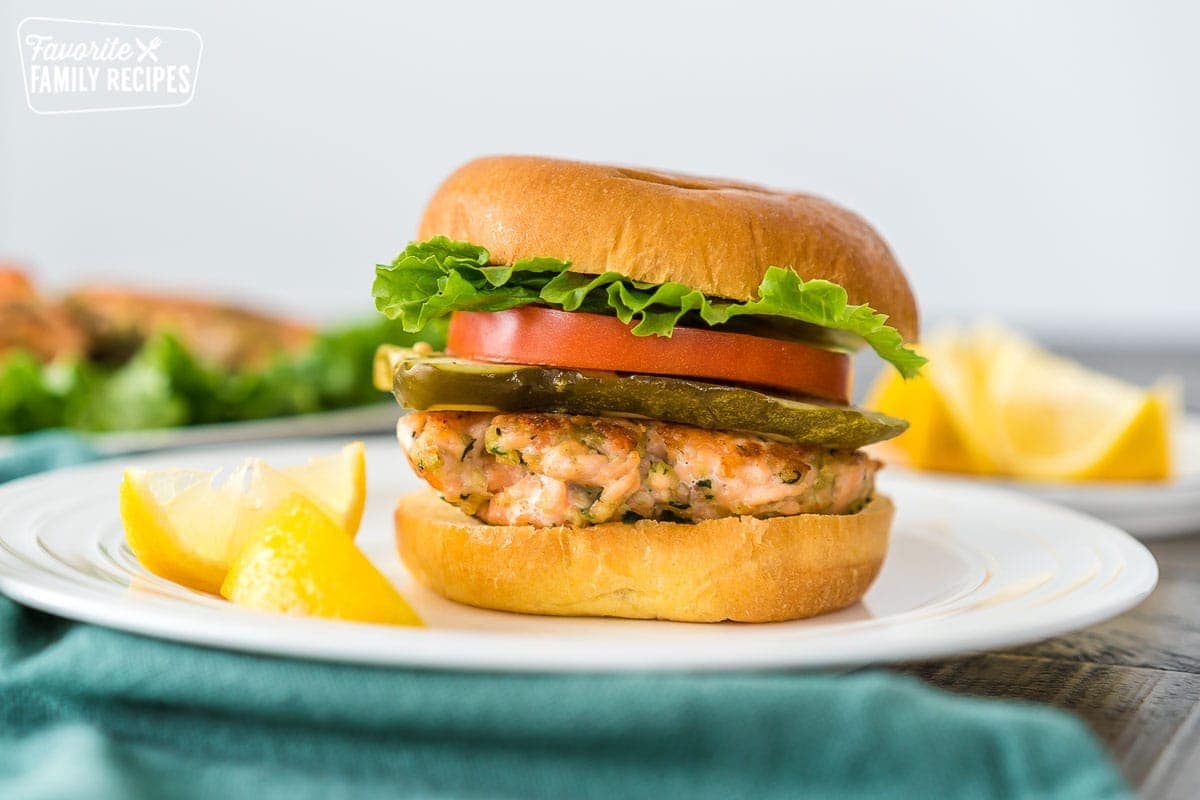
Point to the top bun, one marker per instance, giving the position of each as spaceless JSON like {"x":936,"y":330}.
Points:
{"x":714,"y":235}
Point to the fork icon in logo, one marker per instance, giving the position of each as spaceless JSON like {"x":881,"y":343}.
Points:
{"x":147,"y":50}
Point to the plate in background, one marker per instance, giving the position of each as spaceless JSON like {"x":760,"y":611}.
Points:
{"x":1145,"y":509}
{"x":359,"y":421}
{"x":970,"y":568}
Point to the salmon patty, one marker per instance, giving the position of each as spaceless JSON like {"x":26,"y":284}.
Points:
{"x":555,"y":469}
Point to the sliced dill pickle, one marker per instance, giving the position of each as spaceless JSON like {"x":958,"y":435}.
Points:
{"x":442,"y":383}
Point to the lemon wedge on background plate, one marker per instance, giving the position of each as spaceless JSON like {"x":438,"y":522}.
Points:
{"x":992,"y":402}
{"x":937,"y":406}
{"x":301,"y":563}
{"x":1051,"y":418}
{"x":188,"y":525}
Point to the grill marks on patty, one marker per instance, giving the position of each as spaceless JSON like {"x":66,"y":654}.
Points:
{"x":556,"y":469}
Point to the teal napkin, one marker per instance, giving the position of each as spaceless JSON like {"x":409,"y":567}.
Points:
{"x":38,"y":452}
{"x":92,"y":713}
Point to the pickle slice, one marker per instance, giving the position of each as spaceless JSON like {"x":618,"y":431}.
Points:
{"x":432,"y":382}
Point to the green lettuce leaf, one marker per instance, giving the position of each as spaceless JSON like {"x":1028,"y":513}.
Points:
{"x":29,"y":398}
{"x":433,"y":278}
{"x":143,"y":393}
{"x":165,"y":384}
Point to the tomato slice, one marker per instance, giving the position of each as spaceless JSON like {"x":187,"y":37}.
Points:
{"x":572,"y":339}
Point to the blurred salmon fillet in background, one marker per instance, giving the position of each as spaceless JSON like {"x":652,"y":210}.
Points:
{"x":117,"y":319}
{"x":109,"y":323}
{"x":31,"y":322}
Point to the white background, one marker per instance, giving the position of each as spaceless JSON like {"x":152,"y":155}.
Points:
{"x":1035,"y":161}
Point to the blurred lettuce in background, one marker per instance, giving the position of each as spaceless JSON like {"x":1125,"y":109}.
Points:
{"x":166,"y":385}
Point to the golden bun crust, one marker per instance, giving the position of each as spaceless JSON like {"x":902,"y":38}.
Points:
{"x":714,"y":235}
{"x":743,"y":569}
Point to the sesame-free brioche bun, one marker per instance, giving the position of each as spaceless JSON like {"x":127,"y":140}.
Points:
{"x":738,"y":568}
{"x":714,"y":235}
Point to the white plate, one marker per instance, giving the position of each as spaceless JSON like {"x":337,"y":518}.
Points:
{"x":1145,"y":509}
{"x":359,"y":421}
{"x":969,"y":569}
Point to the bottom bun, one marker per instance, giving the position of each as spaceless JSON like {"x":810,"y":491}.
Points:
{"x":738,"y":568}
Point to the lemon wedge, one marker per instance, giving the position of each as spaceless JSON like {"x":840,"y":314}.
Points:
{"x":992,"y":402}
{"x":302,"y":563}
{"x":336,"y":483}
{"x":188,"y":525}
{"x":1052,"y":418}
